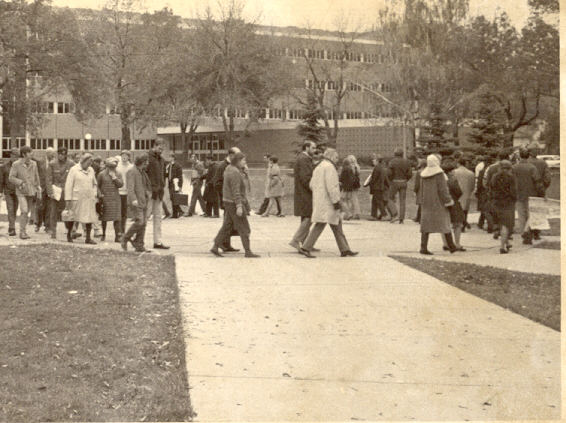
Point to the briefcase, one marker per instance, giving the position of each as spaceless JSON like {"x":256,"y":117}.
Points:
{"x":180,"y":199}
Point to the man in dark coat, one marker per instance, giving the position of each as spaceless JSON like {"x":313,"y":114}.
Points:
{"x":545,"y":179}
{"x":174,"y":171}
{"x":401,"y":171}
{"x":210,"y":195}
{"x":303,"y":194}
{"x":528,"y":181}
{"x":56,"y":177}
{"x":42,"y":208}
{"x":156,"y":174}
{"x":379,"y":189}
{"x":219,"y":187}
{"x":9,"y":191}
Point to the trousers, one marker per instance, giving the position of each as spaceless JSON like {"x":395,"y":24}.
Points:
{"x":303,"y":230}
{"x":338,"y":235}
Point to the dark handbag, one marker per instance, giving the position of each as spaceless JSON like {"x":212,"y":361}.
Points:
{"x":180,"y":199}
{"x":99,"y":207}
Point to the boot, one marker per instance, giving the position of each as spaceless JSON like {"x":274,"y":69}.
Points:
{"x":450,"y":241}
{"x":424,"y":244}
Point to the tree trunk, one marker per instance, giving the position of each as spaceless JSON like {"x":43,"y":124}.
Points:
{"x":184,"y":142}
{"x":126,"y":138}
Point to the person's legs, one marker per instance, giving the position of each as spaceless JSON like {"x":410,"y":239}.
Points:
{"x":402,"y":200}
{"x":224,"y":231}
{"x":302,"y":231}
{"x":11,"y":207}
{"x":424,"y":243}
{"x":381,"y":205}
{"x":457,"y":235}
{"x":103,"y":223}
{"x":450,"y":242}
{"x":278,"y":203}
{"x":268,"y":208}
{"x":117,"y":230}
{"x":263,"y":206}
{"x":340,"y":237}
{"x":24,"y":210}
{"x":504,"y":240}
{"x":355,"y":205}
{"x":123,"y":212}
{"x":69,"y":226}
{"x":523,"y":215}
{"x":53,"y":212}
{"x":373,"y":212}
{"x":88,"y":230}
{"x":313,"y":236}
{"x":157,"y":221}
{"x":193,"y":204}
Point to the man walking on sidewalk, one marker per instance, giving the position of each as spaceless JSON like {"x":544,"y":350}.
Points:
{"x":197,"y":179}
{"x":401,"y":172}
{"x":9,"y":191}
{"x":156,"y":174}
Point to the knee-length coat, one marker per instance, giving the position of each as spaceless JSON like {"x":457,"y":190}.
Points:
{"x":325,"y":189}
{"x":274,"y":185}
{"x":81,"y":190}
{"x":434,"y":199}
{"x":303,"y":194}
{"x":111,"y":210}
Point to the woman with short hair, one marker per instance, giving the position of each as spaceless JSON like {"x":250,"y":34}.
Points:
{"x":81,"y":191}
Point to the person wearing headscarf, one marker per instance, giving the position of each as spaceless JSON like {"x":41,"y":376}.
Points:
{"x":80,"y":196}
{"x":504,"y":189}
{"x":109,"y":182}
{"x":325,"y":189}
{"x":350,"y":185}
{"x":434,"y":198}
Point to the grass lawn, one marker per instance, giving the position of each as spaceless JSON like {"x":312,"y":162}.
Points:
{"x":536,"y":297}
{"x":90,"y":335}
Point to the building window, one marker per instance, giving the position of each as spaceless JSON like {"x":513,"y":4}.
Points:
{"x":41,"y":143}
{"x":296,"y":114}
{"x":115,"y":144}
{"x":144,"y":144}
{"x":95,"y":144}
{"x":65,"y":108}
{"x":276,"y":114}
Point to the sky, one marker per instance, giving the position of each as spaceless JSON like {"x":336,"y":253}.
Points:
{"x":314,"y":13}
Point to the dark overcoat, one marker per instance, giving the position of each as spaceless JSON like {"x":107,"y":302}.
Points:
{"x":303,"y":194}
{"x":111,"y":211}
{"x":434,"y":199}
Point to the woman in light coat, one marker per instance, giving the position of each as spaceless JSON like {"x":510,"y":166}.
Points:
{"x":81,"y":191}
{"x":434,"y":199}
{"x":274,"y":187}
{"x":326,"y":205}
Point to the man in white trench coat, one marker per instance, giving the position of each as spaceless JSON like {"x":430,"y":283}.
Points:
{"x":326,"y":205}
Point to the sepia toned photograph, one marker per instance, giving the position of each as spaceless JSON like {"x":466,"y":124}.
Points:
{"x":280,"y":211}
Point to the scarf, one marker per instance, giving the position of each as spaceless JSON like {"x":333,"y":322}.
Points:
{"x":432,"y":167}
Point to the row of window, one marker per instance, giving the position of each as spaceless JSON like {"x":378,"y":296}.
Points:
{"x":75,"y":144}
{"x":349,"y":56}
{"x":51,"y":107}
{"x":350,"y":86}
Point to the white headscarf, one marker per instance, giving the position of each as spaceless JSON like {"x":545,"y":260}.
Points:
{"x":432,"y":167}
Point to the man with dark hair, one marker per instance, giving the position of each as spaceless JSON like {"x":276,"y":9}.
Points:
{"x":55,"y":185}
{"x":528,"y":181}
{"x":9,"y":191}
{"x":210,"y":196}
{"x":219,"y":188}
{"x":197,"y":178}
{"x":379,"y":189}
{"x":42,"y":210}
{"x":156,"y":174}
{"x":303,"y":195}
{"x":400,"y":173}
{"x":140,"y":196}
{"x":25,"y":178}
{"x":174,"y":176}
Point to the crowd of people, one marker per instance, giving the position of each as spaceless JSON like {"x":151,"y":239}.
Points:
{"x":86,"y":192}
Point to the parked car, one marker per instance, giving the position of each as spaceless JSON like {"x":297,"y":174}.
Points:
{"x":553,"y":161}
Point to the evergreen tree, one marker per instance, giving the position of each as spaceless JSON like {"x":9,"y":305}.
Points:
{"x":432,"y":137}
{"x":309,"y":128}
{"x":488,"y":129}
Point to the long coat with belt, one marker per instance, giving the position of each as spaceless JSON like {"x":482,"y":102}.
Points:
{"x":325,"y":189}
{"x":434,"y":198}
{"x":111,"y":196}
{"x":467,"y":181}
{"x":303,"y":194}
{"x":81,"y":189}
{"x":274,"y":186}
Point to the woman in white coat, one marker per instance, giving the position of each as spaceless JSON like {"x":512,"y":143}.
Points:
{"x":326,"y":205}
{"x":81,"y":191}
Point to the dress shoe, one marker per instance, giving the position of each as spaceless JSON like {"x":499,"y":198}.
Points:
{"x":90,"y":241}
{"x":12,"y":233}
{"x":348,"y":253}
{"x":69,"y":238}
{"x":24,"y":236}
{"x":400,"y":221}
{"x":160,"y":247}
{"x":305,"y":253}
{"x":76,"y":235}
{"x":445,"y":248}
{"x":249,"y":254}
{"x":215,"y":251}
{"x":229,"y":249}
{"x":503,"y":251}
{"x":426,"y":253}
{"x":462,"y":249}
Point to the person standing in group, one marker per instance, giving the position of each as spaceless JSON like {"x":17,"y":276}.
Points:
{"x":210,"y":196}
{"x":174,"y":176}
{"x":109,"y":183}
{"x":236,"y":207}
{"x":434,"y":198}
{"x":456,"y":211}
{"x":140,"y":202}
{"x":156,"y":174}
{"x":197,"y":177}
{"x":504,"y":189}
{"x":416,"y":188}
{"x":467,"y":181}
{"x":25,"y":177}
{"x":350,"y":185}
{"x":480,"y":191}
{"x":42,"y":210}
{"x":325,"y":189}
{"x":528,"y":185}
{"x":379,"y":189}
{"x":274,"y":187}
{"x":9,"y":190}
{"x":545,"y":180}
{"x":81,"y":192}
{"x":401,"y":172}
{"x":55,"y":181}
{"x":122,"y":169}
{"x":303,"y":195}
{"x":265,"y":201}
{"x":219,"y":188}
